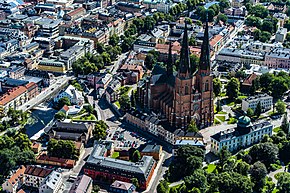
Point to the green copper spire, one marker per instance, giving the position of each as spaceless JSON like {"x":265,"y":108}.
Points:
{"x":184,"y":64}
{"x":204,"y":62}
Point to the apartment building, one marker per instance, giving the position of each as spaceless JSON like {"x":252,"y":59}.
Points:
{"x":243,"y":135}
{"x":265,"y":100}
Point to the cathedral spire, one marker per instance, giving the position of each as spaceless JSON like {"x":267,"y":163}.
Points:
{"x":184,"y":64}
{"x":204,"y":62}
{"x":169,"y":62}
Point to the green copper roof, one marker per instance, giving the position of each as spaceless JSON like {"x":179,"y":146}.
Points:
{"x":244,"y":121}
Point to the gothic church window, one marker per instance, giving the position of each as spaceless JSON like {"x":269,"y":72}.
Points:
{"x":206,"y":87}
{"x":186,"y":89}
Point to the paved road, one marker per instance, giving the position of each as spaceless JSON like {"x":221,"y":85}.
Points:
{"x":51,"y":90}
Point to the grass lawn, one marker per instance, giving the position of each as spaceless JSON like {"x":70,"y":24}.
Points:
{"x":86,"y":118}
{"x":276,"y":129}
{"x":242,"y":97}
{"x":222,"y":118}
{"x":223,"y":94}
{"x":115,"y":154}
{"x":231,"y":104}
{"x":216,"y":122}
{"x":276,"y":176}
{"x":118,"y":104}
{"x":210,"y":168}
{"x":221,"y":112}
{"x":232,"y":121}
{"x":275,"y":190}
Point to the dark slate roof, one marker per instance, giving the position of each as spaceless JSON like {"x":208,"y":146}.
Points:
{"x":181,"y":133}
{"x":237,"y":132}
{"x":71,"y":127}
{"x":151,"y":148}
{"x":143,"y":167}
{"x":159,"y":76}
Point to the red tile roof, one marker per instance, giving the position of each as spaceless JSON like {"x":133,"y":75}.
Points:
{"x":14,"y":178}
{"x":248,"y":81}
{"x":67,"y":162}
{"x":215,"y":40}
{"x":12,"y":94}
{"x":37,"y":171}
{"x":20,"y":191}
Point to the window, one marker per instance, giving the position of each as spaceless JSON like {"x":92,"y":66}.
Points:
{"x":206,"y":87}
{"x":186,"y":90}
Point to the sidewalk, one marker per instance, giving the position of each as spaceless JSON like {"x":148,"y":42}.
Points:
{"x":160,"y":162}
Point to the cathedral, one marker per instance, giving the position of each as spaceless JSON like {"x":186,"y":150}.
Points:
{"x":183,"y":95}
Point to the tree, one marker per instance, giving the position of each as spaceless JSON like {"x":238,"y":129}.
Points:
{"x":250,"y":112}
{"x":224,"y":4}
{"x":242,"y":168}
{"x":173,"y":190}
{"x":100,"y":130}
{"x":211,"y":14}
{"x":196,"y":180}
{"x":223,"y":156}
{"x":222,"y":17}
{"x":265,"y":81}
{"x":255,"y":86}
{"x":194,"y":61}
{"x":192,"y":41}
{"x":150,"y":60}
{"x":127,"y":43}
{"x":259,"y":11}
{"x":162,"y":187}
{"x":217,"y":86}
{"x":233,"y":88}
{"x":96,"y":189}
{"x":192,"y":127}
{"x":258,"y":173}
{"x":135,"y":182}
{"x":257,"y":34}
{"x":258,"y":110}
{"x":60,"y":116}
{"x":62,"y":149}
{"x":265,"y":36}
{"x":231,"y":182}
{"x":253,"y":21}
{"x":136,"y":156}
{"x":285,"y":124}
{"x":283,"y":184}
{"x":114,"y":40}
{"x":268,"y":26}
{"x":124,"y":101}
{"x":280,"y":107}
{"x":89,"y":109}
{"x":266,"y":153}
{"x":284,"y":151}
{"x":278,"y":86}
{"x":63,"y":101}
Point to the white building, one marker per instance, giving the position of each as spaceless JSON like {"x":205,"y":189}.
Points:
{"x":35,"y":176}
{"x":281,"y":34}
{"x":52,"y":184}
{"x":252,"y":102}
{"x":73,"y":94}
{"x":243,"y":135}
{"x":14,"y":181}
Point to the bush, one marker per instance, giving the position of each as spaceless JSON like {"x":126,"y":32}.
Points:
{"x":274,"y":167}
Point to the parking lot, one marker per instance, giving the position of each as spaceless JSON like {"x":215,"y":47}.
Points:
{"x":125,"y":139}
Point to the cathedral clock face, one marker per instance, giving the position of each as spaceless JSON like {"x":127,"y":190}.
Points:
{"x":195,"y":107}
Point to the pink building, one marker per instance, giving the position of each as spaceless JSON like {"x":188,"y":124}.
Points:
{"x":278,"y":58}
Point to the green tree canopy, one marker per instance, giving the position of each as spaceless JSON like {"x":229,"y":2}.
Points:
{"x":233,"y":88}
{"x":217,"y":86}
{"x":280,"y":107}
{"x":100,"y":130}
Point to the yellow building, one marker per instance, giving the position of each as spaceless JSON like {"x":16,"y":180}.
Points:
{"x":51,"y":66}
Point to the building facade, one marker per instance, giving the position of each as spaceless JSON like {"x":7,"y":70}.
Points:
{"x":185,"y":96}
{"x":244,"y":135}
{"x":265,"y":100}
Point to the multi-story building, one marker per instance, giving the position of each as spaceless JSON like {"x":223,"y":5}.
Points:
{"x":185,"y":96}
{"x":14,"y":181}
{"x":52,"y":184}
{"x":73,"y":94}
{"x":122,"y":187}
{"x":80,"y":132}
{"x":243,"y":135}
{"x":278,"y":58}
{"x":35,"y":176}
{"x":75,"y":14}
{"x":51,"y":65}
{"x":265,"y":100}
{"x":13,"y":98}
{"x":83,"y":184}
{"x":109,"y":169}
{"x":48,"y":28}
{"x":281,"y":34}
